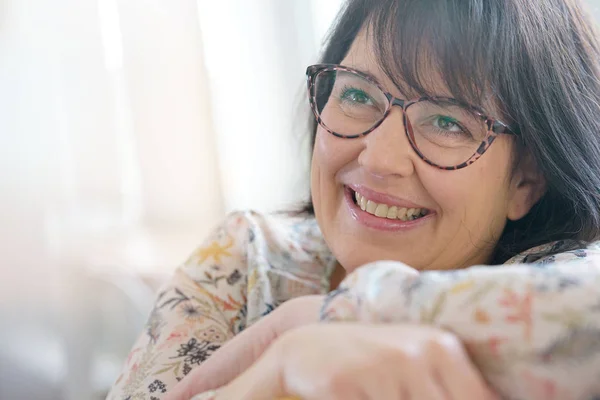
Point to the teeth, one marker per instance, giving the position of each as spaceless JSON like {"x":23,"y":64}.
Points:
{"x":390,"y":212}
{"x":402,"y":213}
{"x":371,"y":207}
{"x":381,"y":210}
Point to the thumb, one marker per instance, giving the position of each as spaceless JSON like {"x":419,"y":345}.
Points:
{"x":243,"y":350}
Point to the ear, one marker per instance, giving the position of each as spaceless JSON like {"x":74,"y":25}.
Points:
{"x":527,"y":187}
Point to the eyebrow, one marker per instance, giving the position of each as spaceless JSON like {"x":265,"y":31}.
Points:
{"x":374,"y":78}
{"x":379,"y":82}
{"x":371,"y":76}
{"x":480,"y":109}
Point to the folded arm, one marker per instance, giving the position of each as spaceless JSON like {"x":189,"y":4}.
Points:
{"x":533,"y":329}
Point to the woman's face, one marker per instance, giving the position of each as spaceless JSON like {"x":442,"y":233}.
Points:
{"x":466,"y":209}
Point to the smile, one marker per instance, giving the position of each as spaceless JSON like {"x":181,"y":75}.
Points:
{"x":388,"y":211}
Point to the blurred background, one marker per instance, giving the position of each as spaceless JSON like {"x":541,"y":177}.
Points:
{"x":128,"y":129}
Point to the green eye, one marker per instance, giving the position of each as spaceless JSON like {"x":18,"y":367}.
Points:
{"x":447,"y":123}
{"x":356,"y":96}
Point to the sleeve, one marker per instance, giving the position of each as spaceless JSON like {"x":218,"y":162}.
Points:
{"x":532,"y":329}
{"x":202,"y":307}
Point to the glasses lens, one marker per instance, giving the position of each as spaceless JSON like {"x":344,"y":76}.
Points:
{"x":444,"y":132}
{"x":347,"y":103}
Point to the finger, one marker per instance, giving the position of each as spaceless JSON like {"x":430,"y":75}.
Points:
{"x":262,"y":380}
{"x":383,"y":385}
{"x":243,"y":350}
{"x":426,"y":387}
{"x":473,"y":388}
{"x":226,"y":363}
{"x":385,"y":390}
{"x":268,"y":379}
{"x":461,"y":379}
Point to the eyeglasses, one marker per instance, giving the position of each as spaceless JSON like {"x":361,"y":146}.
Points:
{"x":443,"y":132}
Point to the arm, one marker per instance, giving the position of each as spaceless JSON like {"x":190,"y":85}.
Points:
{"x":201,"y":308}
{"x":533,"y":329}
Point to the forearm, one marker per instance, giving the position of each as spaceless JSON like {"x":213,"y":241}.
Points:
{"x":524,"y":325}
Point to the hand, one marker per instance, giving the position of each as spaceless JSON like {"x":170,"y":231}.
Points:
{"x":242,"y":351}
{"x":356,"y":362}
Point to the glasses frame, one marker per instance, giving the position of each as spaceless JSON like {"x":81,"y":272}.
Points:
{"x":495,"y":127}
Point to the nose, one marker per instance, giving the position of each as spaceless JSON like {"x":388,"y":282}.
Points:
{"x":387,"y":151}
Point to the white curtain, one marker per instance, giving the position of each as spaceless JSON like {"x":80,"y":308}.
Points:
{"x":128,"y":128}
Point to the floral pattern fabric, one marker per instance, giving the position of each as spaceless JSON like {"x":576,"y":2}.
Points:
{"x":532,"y":326}
{"x":245,"y":269}
{"x":532,"y":329}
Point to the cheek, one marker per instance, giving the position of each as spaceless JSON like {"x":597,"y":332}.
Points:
{"x":476,"y":196}
{"x":330,"y":156}
{"x":462,"y":191}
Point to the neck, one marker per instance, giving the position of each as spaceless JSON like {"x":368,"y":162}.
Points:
{"x":337,"y":276}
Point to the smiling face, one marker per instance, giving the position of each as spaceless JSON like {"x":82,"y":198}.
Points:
{"x":411,"y":211}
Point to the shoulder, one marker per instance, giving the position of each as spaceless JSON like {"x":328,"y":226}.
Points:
{"x":558,"y":251}
{"x":246,"y":237}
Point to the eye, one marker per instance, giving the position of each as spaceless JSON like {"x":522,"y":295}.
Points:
{"x":447,"y":124}
{"x":357,"y":96}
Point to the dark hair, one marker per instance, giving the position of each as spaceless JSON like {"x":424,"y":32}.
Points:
{"x":539,"y":60}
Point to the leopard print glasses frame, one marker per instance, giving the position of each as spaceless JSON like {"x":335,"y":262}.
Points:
{"x":493,"y":126}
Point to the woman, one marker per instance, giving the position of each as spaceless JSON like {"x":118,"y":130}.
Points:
{"x":450,"y":134}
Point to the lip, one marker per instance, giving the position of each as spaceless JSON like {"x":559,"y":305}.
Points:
{"x":378,"y":223}
{"x":383,"y":198}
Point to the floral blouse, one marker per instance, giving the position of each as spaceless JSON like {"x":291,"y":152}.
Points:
{"x":532,"y":327}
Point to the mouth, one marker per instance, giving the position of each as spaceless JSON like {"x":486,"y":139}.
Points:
{"x":384,"y":216}
{"x":388,"y":211}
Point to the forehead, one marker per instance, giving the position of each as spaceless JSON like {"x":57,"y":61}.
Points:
{"x":363,"y":56}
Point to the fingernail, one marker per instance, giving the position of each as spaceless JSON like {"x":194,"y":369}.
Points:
{"x":210,"y":395}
